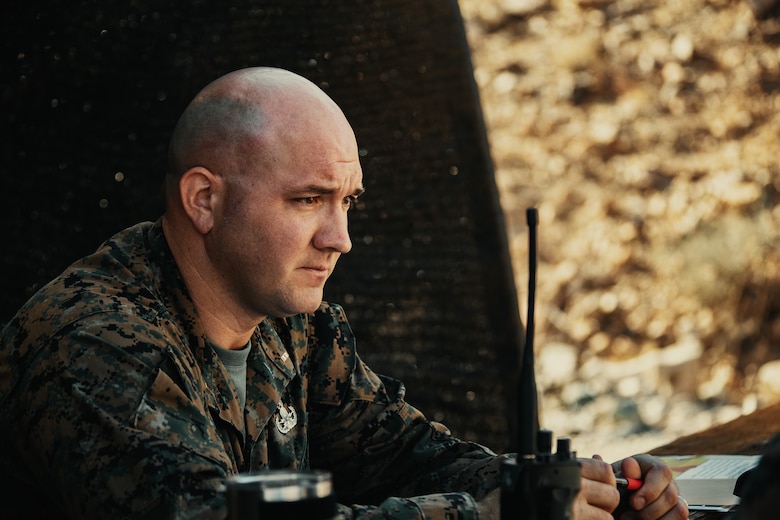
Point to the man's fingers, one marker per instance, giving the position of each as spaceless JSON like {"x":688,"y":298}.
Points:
{"x":600,"y":495}
{"x":598,"y":470}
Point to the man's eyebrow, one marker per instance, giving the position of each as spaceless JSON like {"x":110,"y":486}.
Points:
{"x":325,"y":190}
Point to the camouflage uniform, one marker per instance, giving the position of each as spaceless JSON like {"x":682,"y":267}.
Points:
{"x":114,"y":404}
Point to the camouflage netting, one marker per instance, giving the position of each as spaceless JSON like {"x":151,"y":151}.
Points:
{"x":92,"y":90}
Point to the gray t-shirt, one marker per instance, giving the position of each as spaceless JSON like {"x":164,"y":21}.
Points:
{"x":235,"y":363}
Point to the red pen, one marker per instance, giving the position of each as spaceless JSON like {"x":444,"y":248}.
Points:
{"x":630,"y":484}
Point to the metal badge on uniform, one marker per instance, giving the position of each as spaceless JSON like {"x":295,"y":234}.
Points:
{"x":285,"y":417}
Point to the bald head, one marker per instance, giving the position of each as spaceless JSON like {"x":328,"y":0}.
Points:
{"x":247,"y":113}
{"x":264,"y":168}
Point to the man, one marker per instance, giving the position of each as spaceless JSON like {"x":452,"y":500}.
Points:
{"x":196,"y":347}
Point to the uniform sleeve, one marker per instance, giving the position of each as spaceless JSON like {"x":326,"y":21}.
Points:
{"x":107,"y":435}
{"x":441,"y":506}
{"x":383,"y":451}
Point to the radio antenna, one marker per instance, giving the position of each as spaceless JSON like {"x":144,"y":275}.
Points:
{"x":529,"y":418}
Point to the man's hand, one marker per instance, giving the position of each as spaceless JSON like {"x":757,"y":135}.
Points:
{"x":658,"y":498}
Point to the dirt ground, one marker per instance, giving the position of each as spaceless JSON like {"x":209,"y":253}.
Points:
{"x":647,"y":135}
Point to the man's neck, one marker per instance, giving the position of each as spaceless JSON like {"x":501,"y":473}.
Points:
{"x":225,"y":328}
{"x":220,"y":333}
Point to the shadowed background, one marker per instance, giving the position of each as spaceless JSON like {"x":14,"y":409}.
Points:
{"x":90,"y":93}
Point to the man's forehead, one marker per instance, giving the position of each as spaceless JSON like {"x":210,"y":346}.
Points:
{"x":327,"y":184}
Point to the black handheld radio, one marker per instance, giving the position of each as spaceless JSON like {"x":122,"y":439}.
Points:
{"x":537,"y":484}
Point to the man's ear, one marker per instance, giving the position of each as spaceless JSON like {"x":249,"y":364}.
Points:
{"x":198,"y":188}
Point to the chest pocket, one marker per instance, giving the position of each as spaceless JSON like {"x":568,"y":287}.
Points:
{"x":181,"y":422}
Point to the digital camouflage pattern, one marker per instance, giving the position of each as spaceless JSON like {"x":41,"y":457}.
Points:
{"x":113,"y":404}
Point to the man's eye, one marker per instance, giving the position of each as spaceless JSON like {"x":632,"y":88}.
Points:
{"x":350,"y":201}
{"x":308,"y":200}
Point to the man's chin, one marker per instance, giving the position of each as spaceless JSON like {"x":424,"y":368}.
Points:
{"x":304,"y":305}
{"x":312,"y":308}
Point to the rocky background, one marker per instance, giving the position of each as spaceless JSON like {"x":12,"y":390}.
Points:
{"x":647,"y":134}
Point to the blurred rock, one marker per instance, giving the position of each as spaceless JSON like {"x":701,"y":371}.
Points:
{"x":556,"y":364}
{"x":679,"y":365}
{"x":522,"y":7}
{"x":768,"y":382}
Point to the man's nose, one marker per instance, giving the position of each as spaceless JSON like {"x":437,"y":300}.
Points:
{"x":334,"y":233}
